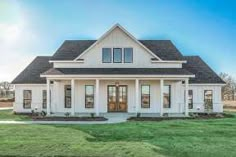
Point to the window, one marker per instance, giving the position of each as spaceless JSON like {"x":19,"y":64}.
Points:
{"x":89,"y":96}
{"x":44,"y":99}
{"x":117,"y":55}
{"x":167,"y":96}
{"x":67,"y":96}
{"x":106,"y":55}
{"x":128,"y":55}
{"x":190,"y":99}
{"x":145,"y":96}
{"x":208,"y":97}
{"x":27,"y":99}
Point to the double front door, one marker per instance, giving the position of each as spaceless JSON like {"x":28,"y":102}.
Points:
{"x":117,"y":98}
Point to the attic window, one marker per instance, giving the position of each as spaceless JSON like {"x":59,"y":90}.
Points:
{"x":106,"y":55}
{"x":128,"y":55}
{"x":117,"y":55}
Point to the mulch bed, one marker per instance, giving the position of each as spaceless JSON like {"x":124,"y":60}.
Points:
{"x":69,"y":119}
{"x":199,"y":116}
{"x":6,"y":104}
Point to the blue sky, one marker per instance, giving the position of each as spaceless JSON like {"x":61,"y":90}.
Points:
{"x":197,"y":27}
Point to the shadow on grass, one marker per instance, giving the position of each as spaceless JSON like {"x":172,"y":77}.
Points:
{"x":167,"y":138}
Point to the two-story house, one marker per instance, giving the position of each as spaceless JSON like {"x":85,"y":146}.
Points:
{"x":118,"y":73}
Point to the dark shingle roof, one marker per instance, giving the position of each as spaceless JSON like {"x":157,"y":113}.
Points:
{"x":31,"y":74}
{"x":71,"y":49}
{"x":117,"y":71}
{"x":164,"y":49}
{"x":195,"y":65}
{"x":203,"y":73}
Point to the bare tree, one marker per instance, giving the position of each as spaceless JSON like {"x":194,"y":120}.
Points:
{"x":5,"y":89}
{"x":229,"y":90}
{"x":5,"y":85}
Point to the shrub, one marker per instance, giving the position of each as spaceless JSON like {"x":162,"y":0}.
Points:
{"x":43,"y":113}
{"x":67,"y":114}
{"x":92,"y":115}
{"x":138,"y":115}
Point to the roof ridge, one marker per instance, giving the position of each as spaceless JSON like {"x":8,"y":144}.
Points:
{"x":43,"y":56}
{"x":80,"y":40}
{"x":192,"y":56}
{"x":154,"y":39}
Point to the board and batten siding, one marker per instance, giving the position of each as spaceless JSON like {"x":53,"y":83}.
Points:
{"x":198,"y":97}
{"x":37,"y":97}
{"x":117,"y":39}
{"x":177,"y":96}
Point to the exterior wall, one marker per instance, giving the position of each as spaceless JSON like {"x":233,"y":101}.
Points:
{"x":37,"y":99}
{"x":198,"y":97}
{"x":177,"y":96}
{"x":58,"y":105}
{"x":117,"y":39}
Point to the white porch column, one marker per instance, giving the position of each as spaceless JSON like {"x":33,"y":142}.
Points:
{"x":186,"y":97}
{"x":48,"y":98}
{"x":137,"y":95}
{"x":97,"y":97}
{"x":72,"y":97}
{"x":161,"y":96}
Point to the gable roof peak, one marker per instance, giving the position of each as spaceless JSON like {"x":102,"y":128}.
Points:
{"x":126,"y":32}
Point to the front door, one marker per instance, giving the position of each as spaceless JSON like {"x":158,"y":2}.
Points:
{"x":117,"y":98}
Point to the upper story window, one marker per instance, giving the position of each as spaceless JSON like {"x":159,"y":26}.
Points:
{"x":117,"y":55}
{"x":128,"y":55}
{"x":106,"y":55}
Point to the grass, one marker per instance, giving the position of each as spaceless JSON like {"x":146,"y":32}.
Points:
{"x":175,"y":138}
{"x":8,"y":115}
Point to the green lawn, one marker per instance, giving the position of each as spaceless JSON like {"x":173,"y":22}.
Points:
{"x":175,"y":138}
{"x":8,"y":115}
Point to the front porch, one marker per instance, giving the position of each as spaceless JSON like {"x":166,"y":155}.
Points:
{"x":110,"y":96}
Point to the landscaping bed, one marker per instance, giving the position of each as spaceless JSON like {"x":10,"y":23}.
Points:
{"x":193,"y":116}
{"x":69,"y":118}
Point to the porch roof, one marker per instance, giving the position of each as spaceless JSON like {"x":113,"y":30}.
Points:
{"x":117,"y":71}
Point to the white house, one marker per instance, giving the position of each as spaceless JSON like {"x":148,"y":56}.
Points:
{"x":118,"y":73}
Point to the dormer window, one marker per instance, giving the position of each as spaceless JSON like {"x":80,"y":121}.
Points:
{"x":106,"y":55}
{"x":128,"y":55}
{"x":117,"y":55}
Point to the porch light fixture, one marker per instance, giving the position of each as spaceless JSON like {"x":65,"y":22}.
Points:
{"x":117,"y":84}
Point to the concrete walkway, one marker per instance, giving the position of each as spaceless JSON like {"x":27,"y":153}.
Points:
{"x":109,"y":121}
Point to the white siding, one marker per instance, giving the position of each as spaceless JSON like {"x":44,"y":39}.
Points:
{"x":177,"y":96}
{"x":36,"y":97}
{"x":117,"y":39}
{"x":198,"y":97}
